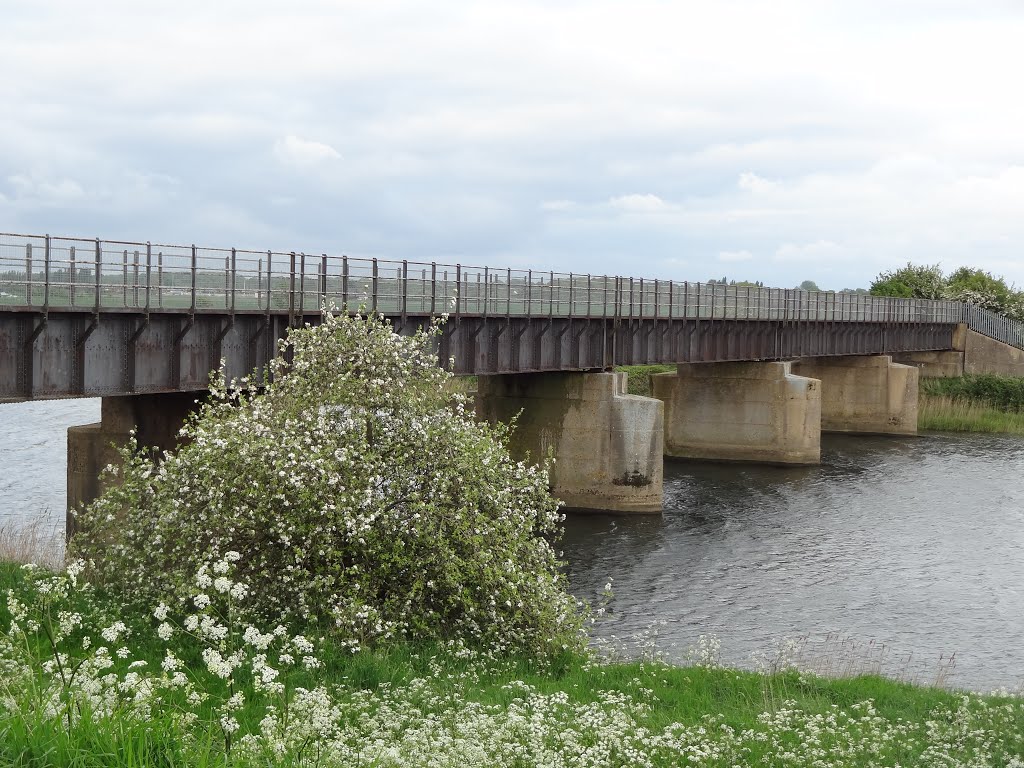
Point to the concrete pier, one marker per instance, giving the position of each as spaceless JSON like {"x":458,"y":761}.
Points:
{"x":757,"y":412}
{"x":607,"y":444}
{"x":868,"y":394}
{"x":156,"y":420}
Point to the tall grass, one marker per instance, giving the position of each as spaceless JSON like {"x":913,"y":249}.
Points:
{"x":38,"y":540}
{"x":1001,"y":393}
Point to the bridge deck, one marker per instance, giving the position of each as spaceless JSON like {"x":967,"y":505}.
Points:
{"x":82,"y":317}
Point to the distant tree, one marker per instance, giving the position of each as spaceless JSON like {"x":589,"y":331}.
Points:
{"x":911,"y":282}
{"x":808,"y":285}
{"x":980,"y":288}
{"x":858,"y":291}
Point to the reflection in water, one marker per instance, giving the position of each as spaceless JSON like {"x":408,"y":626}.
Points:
{"x":915,"y":543}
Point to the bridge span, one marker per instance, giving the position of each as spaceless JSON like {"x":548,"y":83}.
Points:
{"x":761,"y":371}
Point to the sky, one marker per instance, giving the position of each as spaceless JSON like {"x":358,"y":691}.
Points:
{"x":771,"y":141}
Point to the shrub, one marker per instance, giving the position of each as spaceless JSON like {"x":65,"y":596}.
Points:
{"x":361,"y":494}
{"x":910,"y":282}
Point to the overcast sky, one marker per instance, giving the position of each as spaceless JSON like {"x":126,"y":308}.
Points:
{"x":775,"y":141}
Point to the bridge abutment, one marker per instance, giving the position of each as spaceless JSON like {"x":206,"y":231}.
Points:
{"x":867,"y":394}
{"x":755,"y":412}
{"x":607,"y":444}
{"x":91,"y":447}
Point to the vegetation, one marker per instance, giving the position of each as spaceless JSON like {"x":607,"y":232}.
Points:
{"x":364,"y":495}
{"x":964,"y":284}
{"x":639,"y":381}
{"x":86,"y":683}
{"x":972,"y":403}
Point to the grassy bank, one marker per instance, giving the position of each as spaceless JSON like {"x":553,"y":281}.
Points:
{"x":973,"y":403}
{"x":429,"y":705}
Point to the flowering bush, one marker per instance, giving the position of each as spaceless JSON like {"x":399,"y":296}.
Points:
{"x":361,"y":494}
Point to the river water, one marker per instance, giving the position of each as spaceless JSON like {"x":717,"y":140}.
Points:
{"x":895,"y":553}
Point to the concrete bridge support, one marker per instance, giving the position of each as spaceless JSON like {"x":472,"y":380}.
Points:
{"x":607,"y":444}
{"x":758,"y":412}
{"x":91,"y":447}
{"x":867,"y":394}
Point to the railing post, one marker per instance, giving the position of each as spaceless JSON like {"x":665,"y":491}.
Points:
{"x":302,"y":287}
{"x":227,"y":280}
{"x":405,"y":288}
{"x":508,"y":293}
{"x":74,"y":277}
{"x":373,"y":288}
{"x":46,"y":275}
{"x":135,"y":279}
{"x":28,"y":274}
{"x":344,"y":282}
{"x":194,"y":264}
{"x":323,"y":280}
{"x":529,"y":293}
{"x":160,"y":279}
{"x":124,"y":278}
{"x":571,"y":295}
{"x":291,"y":290}
{"x":99,"y":270}
{"x":458,"y":291}
{"x":433,"y":288}
{"x":149,"y":271}
{"x":270,"y":278}
{"x":487,"y":289}
{"x":234,"y":278}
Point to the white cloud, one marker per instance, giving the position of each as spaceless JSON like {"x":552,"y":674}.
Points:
{"x":298,"y":152}
{"x":45,"y":191}
{"x":735,"y":256}
{"x":557,"y":205}
{"x":639,"y":203}
{"x":751,"y":182}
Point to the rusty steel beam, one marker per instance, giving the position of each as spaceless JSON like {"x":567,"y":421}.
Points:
{"x":84,"y":353}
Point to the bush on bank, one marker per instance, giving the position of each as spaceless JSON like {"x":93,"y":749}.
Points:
{"x":361,"y":495}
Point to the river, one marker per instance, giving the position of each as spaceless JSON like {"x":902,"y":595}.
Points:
{"x":895,"y":553}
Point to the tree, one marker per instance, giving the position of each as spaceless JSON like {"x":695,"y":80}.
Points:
{"x":808,"y":285}
{"x":361,"y":494}
{"x":980,"y":288}
{"x":911,"y":282}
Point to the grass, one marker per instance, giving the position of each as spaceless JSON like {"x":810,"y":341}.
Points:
{"x":950,"y":414}
{"x":38,"y":540}
{"x":639,"y":382}
{"x":972,"y":403}
{"x":429,"y":704}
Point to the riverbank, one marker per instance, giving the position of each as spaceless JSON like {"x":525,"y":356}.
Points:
{"x":973,"y":403}
{"x":409,"y":705}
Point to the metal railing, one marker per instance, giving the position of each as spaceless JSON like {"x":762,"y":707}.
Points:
{"x":994,"y":326}
{"x":50,"y":273}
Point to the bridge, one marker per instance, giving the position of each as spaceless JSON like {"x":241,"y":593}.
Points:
{"x":761,"y":371}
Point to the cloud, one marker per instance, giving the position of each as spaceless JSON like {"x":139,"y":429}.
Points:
{"x":557,"y":205}
{"x":37,"y":189}
{"x":301,"y":153}
{"x":751,"y":182}
{"x":639,"y":204}
{"x":735,"y":256}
